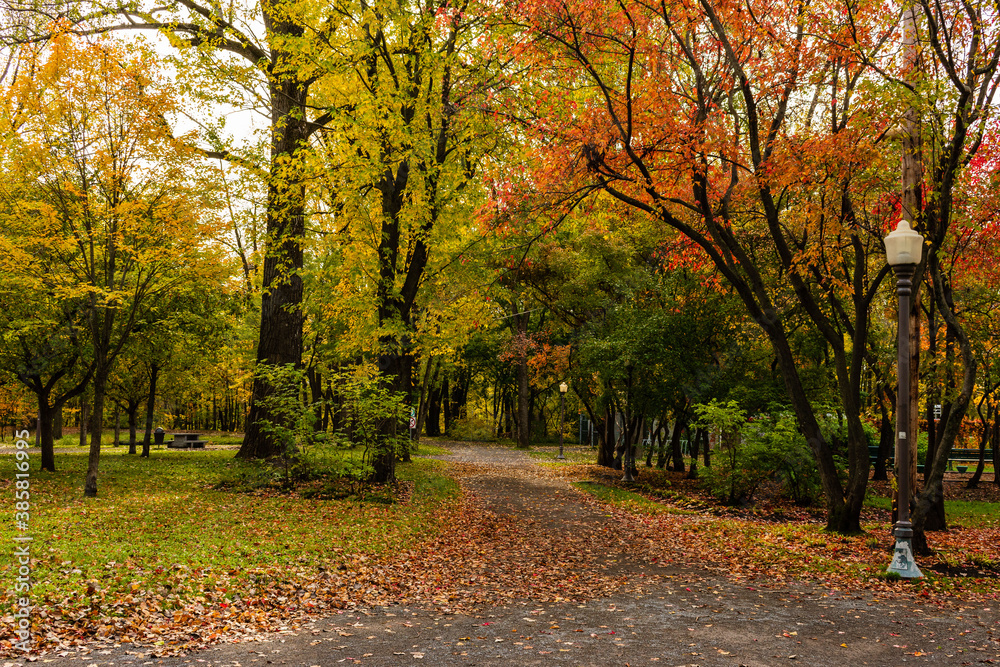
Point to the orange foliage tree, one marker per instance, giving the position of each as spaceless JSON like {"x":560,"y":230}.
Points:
{"x":746,"y":128}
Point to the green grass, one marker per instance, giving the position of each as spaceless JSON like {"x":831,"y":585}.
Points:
{"x":968,"y":513}
{"x":154,"y":517}
{"x":628,"y":500}
{"x":972,"y":513}
{"x":424,"y":449}
{"x":108,"y":437}
{"x":574,"y":455}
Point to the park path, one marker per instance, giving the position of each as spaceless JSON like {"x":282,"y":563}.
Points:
{"x":676,"y":617}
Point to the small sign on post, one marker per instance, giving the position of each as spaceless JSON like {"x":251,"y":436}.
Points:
{"x":413,"y":421}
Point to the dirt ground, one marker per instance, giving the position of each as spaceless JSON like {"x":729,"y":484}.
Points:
{"x":673,"y":616}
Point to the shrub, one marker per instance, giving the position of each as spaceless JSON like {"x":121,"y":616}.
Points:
{"x":376,"y":417}
{"x":767,"y":449}
{"x":293,"y":419}
{"x":793,"y":462}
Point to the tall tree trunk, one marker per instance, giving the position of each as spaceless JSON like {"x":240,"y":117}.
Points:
{"x":133,"y":419}
{"x":929,"y":503}
{"x":96,"y":429}
{"x":84,"y":419}
{"x":676,"y":454}
{"x":661,"y":442}
{"x":425,"y":394}
{"x":46,"y":416}
{"x":931,"y":383}
{"x":523,"y":397}
{"x":154,"y":371}
{"x":315,"y":378}
{"x":508,"y":412}
{"x":606,"y":438}
{"x":692,"y":441}
{"x":449,"y":417}
{"x":995,"y":446}
{"x":460,"y":394}
{"x":654,"y":441}
{"x":280,"y":339}
{"x":984,"y":437}
{"x":434,"y":413}
{"x":118,"y":425}
{"x":50,"y":411}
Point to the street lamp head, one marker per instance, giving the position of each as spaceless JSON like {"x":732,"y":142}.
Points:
{"x":563,"y":387}
{"x":903,"y":246}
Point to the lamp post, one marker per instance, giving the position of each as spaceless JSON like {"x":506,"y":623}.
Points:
{"x":563,"y":388}
{"x":903,"y":249}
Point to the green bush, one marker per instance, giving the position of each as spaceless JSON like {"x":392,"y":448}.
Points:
{"x":292,"y":418}
{"x":737,"y":471}
{"x":376,"y":418}
{"x":793,"y":462}
{"x":768,"y":448}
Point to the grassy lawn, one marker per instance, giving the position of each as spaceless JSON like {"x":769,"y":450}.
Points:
{"x":159,"y":525}
{"x":575,"y":454}
{"x":627,"y":499}
{"x":965,"y":513}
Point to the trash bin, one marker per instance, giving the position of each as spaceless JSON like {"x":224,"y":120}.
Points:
{"x":158,"y":435}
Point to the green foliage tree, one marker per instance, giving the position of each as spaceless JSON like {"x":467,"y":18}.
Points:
{"x":109,"y":190}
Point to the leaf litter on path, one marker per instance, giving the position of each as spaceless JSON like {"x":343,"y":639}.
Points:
{"x":520,"y":532}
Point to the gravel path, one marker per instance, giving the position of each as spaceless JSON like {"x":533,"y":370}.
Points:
{"x":683,"y":617}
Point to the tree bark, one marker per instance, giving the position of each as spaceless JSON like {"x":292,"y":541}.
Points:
{"x":315,"y":378}
{"x":49,"y":411}
{"x":606,"y":439}
{"x":706,"y":450}
{"x":676,"y":454}
{"x":118,"y":425}
{"x":46,"y":415}
{"x":133,"y":422}
{"x":96,"y":427}
{"x":433,"y":424}
{"x":929,"y":503}
{"x":84,"y":419}
{"x":523,"y":418}
{"x":280,"y":339}
{"x":154,"y":371}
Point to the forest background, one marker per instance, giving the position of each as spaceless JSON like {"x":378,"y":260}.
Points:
{"x":453,"y":207}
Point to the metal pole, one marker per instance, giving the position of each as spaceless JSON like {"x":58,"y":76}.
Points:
{"x":902,"y":560}
{"x":562,"y":422}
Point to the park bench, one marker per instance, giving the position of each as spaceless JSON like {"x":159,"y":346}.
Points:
{"x":187,"y":441}
{"x":958,"y":455}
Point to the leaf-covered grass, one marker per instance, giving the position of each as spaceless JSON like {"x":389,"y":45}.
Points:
{"x":158,"y":525}
{"x":966,"y":559}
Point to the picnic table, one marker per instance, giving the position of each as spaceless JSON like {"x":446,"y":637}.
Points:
{"x":187,"y":441}
{"x":958,"y":455}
